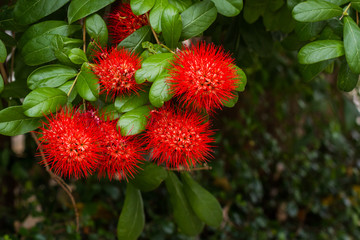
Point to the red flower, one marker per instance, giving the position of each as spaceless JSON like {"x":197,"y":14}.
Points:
{"x":123,"y":22}
{"x":178,"y":138}
{"x":203,"y":75}
{"x":122,"y":154}
{"x":70,"y":141}
{"x":116,"y":69}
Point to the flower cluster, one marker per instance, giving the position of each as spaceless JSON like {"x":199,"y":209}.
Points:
{"x":201,"y":79}
{"x":76,"y":143}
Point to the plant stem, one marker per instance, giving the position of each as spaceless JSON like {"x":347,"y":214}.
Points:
{"x":345,"y":11}
{"x":72,"y":86}
{"x":59,"y":180}
{"x":84,"y":33}
{"x":3,"y":73}
{"x":189,"y":169}
{"x":153,"y":31}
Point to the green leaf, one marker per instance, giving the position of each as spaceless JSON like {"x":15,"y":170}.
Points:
{"x":150,"y":177}
{"x":156,"y":13}
{"x":109,"y":112}
{"x":81,"y":8}
{"x":77,"y":56}
{"x":43,"y":101}
{"x":228,"y":8}
{"x":347,"y":80}
{"x":352,"y":44}
{"x":309,"y":71}
{"x":1,"y":83}
{"x":13,"y":121}
{"x":152,"y":67}
{"x":242,"y":79}
{"x":29,"y":11}
{"x":38,"y":50}
{"x":3,"y":52}
{"x":133,"y":41}
{"x":47,"y":27}
{"x":181,"y":5}
{"x":128,"y":103}
{"x":315,"y":10}
{"x":255,"y":8}
{"x":132,"y":218}
{"x":160,"y":91}
{"x":66,"y":88}
{"x":50,"y":76}
{"x":134,"y":121}
{"x":184,"y":215}
{"x":320,"y":50}
{"x":15,"y":89}
{"x":355,"y":4}
{"x":306,"y":31}
{"x":96,"y":28}
{"x":281,"y":20}
{"x":141,"y":6}
{"x":171,"y":26}
{"x":197,"y":18}
{"x":230,"y":102}
{"x":204,"y":204}
{"x":87,"y":83}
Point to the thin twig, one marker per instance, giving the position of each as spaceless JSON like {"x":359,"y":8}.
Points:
{"x":84,"y":33}
{"x":3,"y":73}
{"x":189,"y":169}
{"x":12,"y":59}
{"x":153,"y":31}
{"x":345,"y":11}
{"x":72,"y":85}
{"x":357,"y":18}
{"x":166,"y":47}
{"x":59,"y":180}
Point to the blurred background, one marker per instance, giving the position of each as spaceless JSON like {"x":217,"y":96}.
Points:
{"x":286,"y":165}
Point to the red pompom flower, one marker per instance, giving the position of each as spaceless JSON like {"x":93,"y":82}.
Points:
{"x":116,"y":69}
{"x":71,"y":143}
{"x":122,"y":153}
{"x":203,"y":75}
{"x":178,"y":138}
{"x":123,"y":22}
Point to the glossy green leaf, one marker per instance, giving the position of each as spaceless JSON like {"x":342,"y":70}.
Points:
{"x":134,"y":121}
{"x":47,"y":27}
{"x":309,"y":71}
{"x":152,"y":67}
{"x":132,"y":218}
{"x":150,"y":177}
{"x":81,"y":8}
{"x":134,"y":41}
{"x":156,"y":14}
{"x":230,"y":102}
{"x":171,"y":26}
{"x":87,"y":83}
{"x":3,"y":52}
{"x":181,"y":5}
{"x":228,"y":8}
{"x":306,"y":31}
{"x":66,"y":88}
{"x":141,"y":6}
{"x":97,"y":29}
{"x":355,"y":4}
{"x":38,"y":50}
{"x":242,"y":79}
{"x":160,"y":91}
{"x":13,"y":121}
{"x":128,"y":103}
{"x":184,"y":215}
{"x":50,"y":76}
{"x":352,"y":44}
{"x":347,"y":80}
{"x":197,"y":18}
{"x":43,"y":101}
{"x":77,"y":56}
{"x":1,"y":83}
{"x":29,"y":11}
{"x":315,"y":10}
{"x":320,"y":50}
{"x":204,"y":204}
{"x":109,"y":112}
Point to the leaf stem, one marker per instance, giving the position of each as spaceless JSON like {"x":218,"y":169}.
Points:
{"x":84,"y":33}
{"x":182,"y":169}
{"x":166,"y":47}
{"x":59,"y":180}
{"x":345,"y":11}
{"x":72,"y":86}
{"x":3,"y":73}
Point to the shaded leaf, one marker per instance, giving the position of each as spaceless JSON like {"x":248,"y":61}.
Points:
{"x":3,"y":52}
{"x":320,"y":50}
{"x":13,"y":121}
{"x":128,"y":103}
{"x":133,"y":41}
{"x":352,"y":44}
{"x":228,"y":8}
{"x":181,"y":5}
{"x":43,"y":101}
{"x":347,"y":80}
{"x":150,"y":177}
{"x":81,"y":8}
{"x":309,"y":71}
